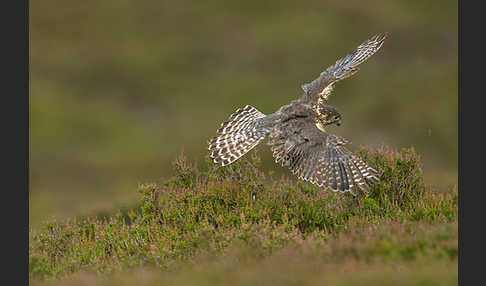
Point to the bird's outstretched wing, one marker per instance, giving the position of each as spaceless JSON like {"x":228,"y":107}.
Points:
{"x":319,"y":157}
{"x":321,"y":87}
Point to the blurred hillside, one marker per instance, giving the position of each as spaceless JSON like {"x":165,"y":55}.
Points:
{"x":119,"y":88}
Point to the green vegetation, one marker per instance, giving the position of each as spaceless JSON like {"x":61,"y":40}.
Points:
{"x":204,"y":224}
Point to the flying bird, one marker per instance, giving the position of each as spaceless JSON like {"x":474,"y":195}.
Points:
{"x":296,"y":132}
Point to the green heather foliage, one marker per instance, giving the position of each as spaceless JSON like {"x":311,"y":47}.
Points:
{"x":210,"y":210}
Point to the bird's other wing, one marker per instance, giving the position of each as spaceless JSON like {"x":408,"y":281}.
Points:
{"x":321,"y":87}
{"x":319,"y":157}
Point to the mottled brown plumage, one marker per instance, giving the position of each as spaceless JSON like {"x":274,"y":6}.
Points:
{"x":296,"y":131}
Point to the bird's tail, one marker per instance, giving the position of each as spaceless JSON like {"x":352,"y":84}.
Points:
{"x":243,"y":131}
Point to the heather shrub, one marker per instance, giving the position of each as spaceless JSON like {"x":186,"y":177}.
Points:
{"x":400,"y":173}
{"x":207,"y":210}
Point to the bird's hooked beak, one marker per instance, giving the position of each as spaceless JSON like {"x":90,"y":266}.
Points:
{"x":338,"y":123}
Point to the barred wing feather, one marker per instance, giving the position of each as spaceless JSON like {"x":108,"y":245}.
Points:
{"x":321,"y":87}
{"x":319,"y":157}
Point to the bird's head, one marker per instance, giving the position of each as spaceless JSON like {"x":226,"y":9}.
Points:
{"x":329,"y":115}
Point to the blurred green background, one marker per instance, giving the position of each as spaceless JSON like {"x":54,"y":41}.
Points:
{"x":119,"y":88}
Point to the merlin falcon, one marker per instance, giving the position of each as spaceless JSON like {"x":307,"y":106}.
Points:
{"x":296,"y":131}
